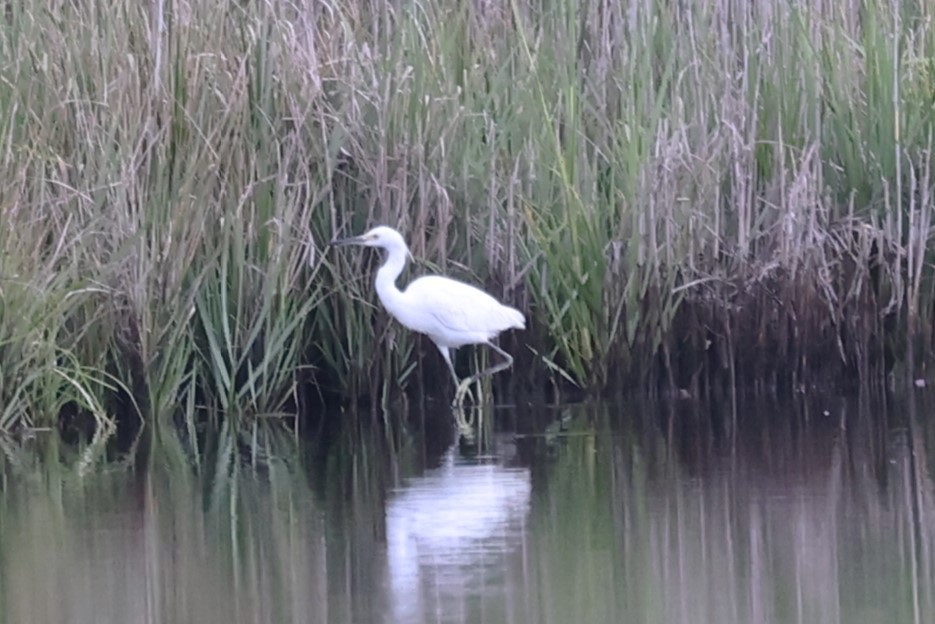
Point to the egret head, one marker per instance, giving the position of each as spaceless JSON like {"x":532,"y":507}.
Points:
{"x":380,"y":236}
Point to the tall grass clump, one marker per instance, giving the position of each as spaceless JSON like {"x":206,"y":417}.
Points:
{"x":675,"y":192}
{"x":161,"y":211}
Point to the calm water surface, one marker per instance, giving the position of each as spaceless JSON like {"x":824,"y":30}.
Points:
{"x":818,"y":511}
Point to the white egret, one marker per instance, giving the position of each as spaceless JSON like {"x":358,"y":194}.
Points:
{"x":451,"y":313}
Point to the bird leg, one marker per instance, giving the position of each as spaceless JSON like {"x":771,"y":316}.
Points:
{"x":446,"y":353}
{"x":466,"y":383}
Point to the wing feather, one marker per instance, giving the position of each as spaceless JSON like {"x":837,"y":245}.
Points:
{"x":460,"y":311}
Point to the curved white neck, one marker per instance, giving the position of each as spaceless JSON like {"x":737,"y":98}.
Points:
{"x":386,"y":278}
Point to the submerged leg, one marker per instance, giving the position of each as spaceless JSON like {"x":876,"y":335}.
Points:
{"x":496,"y":368}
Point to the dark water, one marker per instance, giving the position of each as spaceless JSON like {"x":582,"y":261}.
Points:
{"x":813,"y":511}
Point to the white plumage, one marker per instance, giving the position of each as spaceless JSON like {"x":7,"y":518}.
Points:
{"x":451,"y":313}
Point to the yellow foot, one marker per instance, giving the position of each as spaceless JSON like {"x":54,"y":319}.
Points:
{"x":461,"y":392}
{"x":464,"y":424}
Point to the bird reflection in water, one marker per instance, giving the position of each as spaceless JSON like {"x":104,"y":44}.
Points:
{"x":454,"y":528}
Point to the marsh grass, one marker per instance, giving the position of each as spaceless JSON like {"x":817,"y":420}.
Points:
{"x":673,"y":192}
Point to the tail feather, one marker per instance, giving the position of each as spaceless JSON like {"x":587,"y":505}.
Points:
{"x":516,"y":318}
